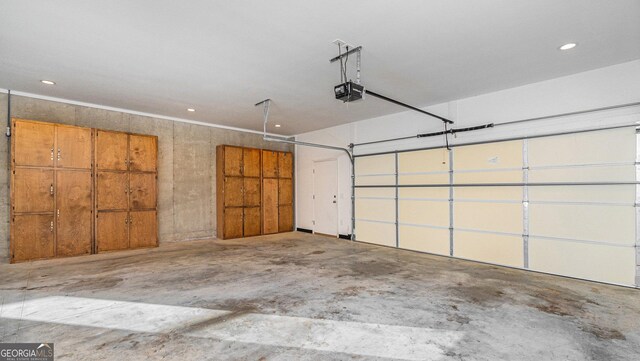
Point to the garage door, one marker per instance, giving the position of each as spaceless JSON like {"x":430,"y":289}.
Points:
{"x":560,"y":204}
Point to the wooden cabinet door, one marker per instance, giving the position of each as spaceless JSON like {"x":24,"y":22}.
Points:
{"x":233,"y":222}
{"x":233,"y":192}
{"x":285,"y":218}
{"x":285,"y":191}
{"x":73,"y":147}
{"x":33,"y":143}
{"x":269,"y":164}
{"x":143,"y":153}
{"x":33,"y":190}
{"x":112,"y":190}
{"x":142,"y":190}
{"x":232,"y":161}
{"x":32,"y":237}
{"x":251,"y":221}
{"x":111,"y":150}
{"x":285,"y":165}
{"x":112,"y":231}
{"x":251,"y":192}
{"x":73,"y":212}
{"x":143,"y":231}
{"x":270,"y":205}
{"x":251,"y":162}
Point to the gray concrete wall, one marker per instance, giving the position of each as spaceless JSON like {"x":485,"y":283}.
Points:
{"x":186,"y":162}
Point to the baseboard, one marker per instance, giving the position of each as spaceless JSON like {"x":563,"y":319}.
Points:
{"x":304,"y":230}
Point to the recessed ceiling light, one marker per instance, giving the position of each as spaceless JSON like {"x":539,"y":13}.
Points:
{"x":277,"y":125}
{"x":191,"y":110}
{"x":48,"y":82}
{"x":568,"y":46}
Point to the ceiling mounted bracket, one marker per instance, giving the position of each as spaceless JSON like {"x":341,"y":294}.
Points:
{"x":265,"y":114}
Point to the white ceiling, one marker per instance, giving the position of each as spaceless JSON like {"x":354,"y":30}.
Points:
{"x":221,"y":57}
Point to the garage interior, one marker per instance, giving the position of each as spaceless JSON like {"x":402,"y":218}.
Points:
{"x":293,"y":180}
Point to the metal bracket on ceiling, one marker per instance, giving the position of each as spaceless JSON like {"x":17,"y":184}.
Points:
{"x":265,"y":115}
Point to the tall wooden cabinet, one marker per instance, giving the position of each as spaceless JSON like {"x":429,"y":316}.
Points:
{"x":126,"y":191}
{"x":51,"y":190}
{"x":77,"y":190}
{"x":246,"y":202}
{"x":277,"y":191}
{"x":238,"y":194}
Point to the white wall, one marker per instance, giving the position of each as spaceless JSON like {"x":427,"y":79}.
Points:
{"x":614,"y":85}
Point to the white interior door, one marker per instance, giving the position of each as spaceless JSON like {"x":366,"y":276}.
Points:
{"x":325,"y":201}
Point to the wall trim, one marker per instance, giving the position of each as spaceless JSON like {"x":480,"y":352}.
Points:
{"x":134,"y":112}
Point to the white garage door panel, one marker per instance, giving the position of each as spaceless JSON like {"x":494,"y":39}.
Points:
{"x":424,"y":239}
{"x":423,"y":179}
{"x":582,"y":260}
{"x":611,"y":224}
{"x":424,"y":213}
{"x":608,"y":146}
{"x":488,"y":156}
{"x":376,"y":233}
{"x":377,"y":164}
{"x":376,"y":170}
{"x":375,"y":180}
{"x":620,"y":173}
{"x":608,"y":194}
{"x":514,"y":176}
{"x":497,"y":217}
{"x":424,"y":193}
{"x":498,"y":249}
{"x":423,"y":161}
{"x":376,"y":193}
{"x":376,"y":209}
{"x":488,"y":193}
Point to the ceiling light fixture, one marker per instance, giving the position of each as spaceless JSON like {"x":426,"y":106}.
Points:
{"x":191,"y":110}
{"x":48,"y":82}
{"x":568,"y":46}
{"x":277,"y":125}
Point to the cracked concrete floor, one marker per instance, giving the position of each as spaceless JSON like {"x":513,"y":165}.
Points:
{"x":300,"y":296}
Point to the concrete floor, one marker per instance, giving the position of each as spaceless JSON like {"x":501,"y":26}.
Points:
{"x":299,"y":296}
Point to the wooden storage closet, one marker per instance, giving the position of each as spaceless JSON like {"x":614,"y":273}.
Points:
{"x":277,"y":188}
{"x":51,"y":190}
{"x":246,"y":203}
{"x":126,"y":191}
{"x":54,"y":171}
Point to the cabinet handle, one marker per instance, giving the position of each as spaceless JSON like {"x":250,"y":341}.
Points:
{"x":58,"y":214}
{"x":51,"y":189}
{"x":126,"y":221}
{"x":51,"y":226}
{"x":59,"y":156}
{"x":51,"y":153}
